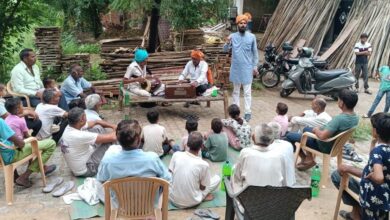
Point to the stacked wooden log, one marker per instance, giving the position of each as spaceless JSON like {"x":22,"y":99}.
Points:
{"x":115,"y":64}
{"x":369,"y":17}
{"x":48,"y":43}
{"x":300,"y":19}
{"x":188,"y":40}
{"x":110,"y":45}
{"x":81,"y":58}
{"x":222,"y":70}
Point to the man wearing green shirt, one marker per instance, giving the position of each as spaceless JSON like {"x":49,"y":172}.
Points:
{"x":347,"y":101}
{"x":384,"y":88}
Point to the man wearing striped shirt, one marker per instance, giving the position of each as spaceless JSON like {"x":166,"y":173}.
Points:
{"x":362,"y":50}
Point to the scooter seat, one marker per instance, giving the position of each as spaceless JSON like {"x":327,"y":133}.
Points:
{"x":329,"y":74}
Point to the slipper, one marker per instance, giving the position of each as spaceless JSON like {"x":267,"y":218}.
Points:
{"x":56,"y":182}
{"x":346,"y":215}
{"x":50,"y":169}
{"x":306,"y":166}
{"x":64,"y":189}
{"x":207,"y":213}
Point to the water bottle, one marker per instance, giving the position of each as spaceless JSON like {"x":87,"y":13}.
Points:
{"x":315,"y":181}
{"x":226,"y":172}
{"x":127,"y":98}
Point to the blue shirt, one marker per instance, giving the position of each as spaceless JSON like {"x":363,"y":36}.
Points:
{"x":5,"y":133}
{"x":244,"y":57}
{"x":137,"y":163}
{"x":72,"y":89}
{"x":373,"y":196}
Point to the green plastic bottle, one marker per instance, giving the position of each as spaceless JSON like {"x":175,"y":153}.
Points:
{"x":315,"y":181}
{"x":127,"y":98}
{"x":226,"y":172}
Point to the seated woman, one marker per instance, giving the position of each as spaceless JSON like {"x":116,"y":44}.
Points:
{"x":237,"y":129}
{"x":137,"y":76}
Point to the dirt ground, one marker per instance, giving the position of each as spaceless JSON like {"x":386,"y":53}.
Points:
{"x":32,"y":204}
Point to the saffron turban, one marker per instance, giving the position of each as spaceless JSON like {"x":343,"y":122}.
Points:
{"x":140,"y":55}
{"x":248,"y":15}
{"x":197,"y":54}
{"x":240,"y":18}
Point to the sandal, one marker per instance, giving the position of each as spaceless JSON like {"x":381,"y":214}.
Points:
{"x":50,"y":169}
{"x":49,"y":187}
{"x":27,"y":184}
{"x":206,"y":213}
{"x":346,"y":215}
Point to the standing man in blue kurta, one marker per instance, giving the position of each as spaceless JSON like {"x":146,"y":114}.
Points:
{"x":244,"y":63}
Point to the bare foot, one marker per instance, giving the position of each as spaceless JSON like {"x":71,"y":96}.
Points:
{"x":209,"y":197}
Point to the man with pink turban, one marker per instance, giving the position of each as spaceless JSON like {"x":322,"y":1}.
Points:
{"x":196,"y":69}
{"x":244,"y":63}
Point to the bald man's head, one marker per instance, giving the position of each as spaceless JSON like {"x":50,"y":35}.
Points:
{"x":318,"y":105}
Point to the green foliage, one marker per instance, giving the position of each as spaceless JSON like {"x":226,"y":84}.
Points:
{"x":257,"y":85}
{"x":363,"y":131}
{"x":95,"y":73}
{"x":188,"y":14}
{"x":70,"y":45}
{"x":81,"y":15}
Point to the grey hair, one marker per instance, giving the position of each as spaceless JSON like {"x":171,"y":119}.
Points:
{"x":264,"y":135}
{"x":276,"y":129}
{"x":74,"y":115}
{"x":48,"y":95}
{"x":92,"y":100}
{"x":195,"y":140}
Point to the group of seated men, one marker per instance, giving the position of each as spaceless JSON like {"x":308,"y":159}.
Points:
{"x":88,"y":143}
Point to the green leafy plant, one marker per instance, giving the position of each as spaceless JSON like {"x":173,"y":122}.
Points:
{"x":95,"y":73}
{"x":70,"y":45}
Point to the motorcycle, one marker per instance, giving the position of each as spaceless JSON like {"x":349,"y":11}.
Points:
{"x":308,"y":79}
{"x":277,"y":65}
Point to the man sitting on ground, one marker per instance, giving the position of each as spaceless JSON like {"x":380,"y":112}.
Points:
{"x":196,"y":69}
{"x":48,"y":111}
{"x":316,"y":117}
{"x":11,"y":155}
{"x":83,"y":150}
{"x":129,"y":160}
{"x":342,"y":122}
{"x":260,"y":165}
{"x":93,"y":103}
{"x":74,"y":85}
{"x":191,"y":179}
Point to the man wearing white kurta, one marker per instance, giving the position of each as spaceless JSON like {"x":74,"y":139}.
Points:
{"x":260,"y":165}
{"x":244,"y":63}
{"x":316,"y":117}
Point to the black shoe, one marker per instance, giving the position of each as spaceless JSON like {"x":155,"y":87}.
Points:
{"x":367,"y":92}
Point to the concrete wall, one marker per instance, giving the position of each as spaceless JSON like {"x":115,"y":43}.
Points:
{"x":258,"y":8}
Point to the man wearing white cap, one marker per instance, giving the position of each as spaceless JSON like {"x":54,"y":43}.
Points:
{"x":93,"y":103}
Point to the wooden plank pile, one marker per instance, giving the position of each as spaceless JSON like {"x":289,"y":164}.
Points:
{"x":48,"y":43}
{"x":115,"y":64}
{"x":188,"y":40}
{"x":110,"y":45}
{"x":81,"y":58}
{"x":300,"y":19}
{"x":366,"y":16}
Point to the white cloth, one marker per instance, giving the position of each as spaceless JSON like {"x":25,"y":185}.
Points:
{"x":286,"y":149}
{"x":188,"y":173}
{"x":92,"y":115}
{"x":362,"y":47}
{"x":76,"y":146}
{"x":69,"y":198}
{"x":259,"y":166}
{"x":247,"y":96}
{"x":308,"y":120}
{"x":198,"y":73}
{"x":47,"y":113}
{"x":89,"y":191}
{"x":154,"y":135}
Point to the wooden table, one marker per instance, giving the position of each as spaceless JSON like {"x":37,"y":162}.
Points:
{"x":222,"y":96}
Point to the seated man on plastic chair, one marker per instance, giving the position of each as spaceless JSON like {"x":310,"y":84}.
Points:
{"x":11,"y":155}
{"x":348,"y":119}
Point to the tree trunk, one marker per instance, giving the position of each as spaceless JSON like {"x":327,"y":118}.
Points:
{"x":153,"y":32}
